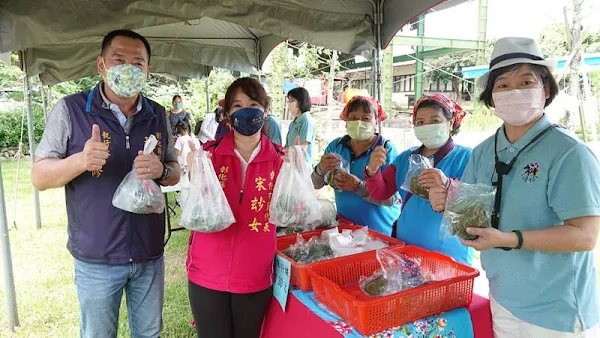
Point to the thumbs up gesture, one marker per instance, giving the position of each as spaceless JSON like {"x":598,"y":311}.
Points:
{"x":95,"y":152}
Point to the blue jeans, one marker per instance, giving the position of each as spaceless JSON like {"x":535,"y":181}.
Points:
{"x":100,"y":289}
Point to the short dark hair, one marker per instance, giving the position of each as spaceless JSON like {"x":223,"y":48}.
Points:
{"x":542,"y":71}
{"x":108,"y":38}
{"x":447,"y":114}
{"x":303,"y":98}
{"x":176,"y":97}
{"x":250,"y":87}
{"x":182,"y":127}
{"x":217,"y":113}
{"x":362,"y":103}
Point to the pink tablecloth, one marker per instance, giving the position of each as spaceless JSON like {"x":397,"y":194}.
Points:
{"x":300,"y":322}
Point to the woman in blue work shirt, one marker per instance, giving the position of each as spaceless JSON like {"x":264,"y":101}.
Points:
{"x":302,"y":127}
{"x":538,"y":253}
{"x":436,"y":118}
{"x":351,"y":196}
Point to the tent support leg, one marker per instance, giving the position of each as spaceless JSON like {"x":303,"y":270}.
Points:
{"x":31,"y":134}
{"x":207,"y":95}
{"x":378,"y":15}
{"x":44,"y":100}
{"x":10,"y":298}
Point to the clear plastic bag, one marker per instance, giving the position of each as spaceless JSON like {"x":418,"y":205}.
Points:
{"x":353,"y":242}
{"x":467,"y":205}
{"x":416,"y":164}
{"x":328,"y":219}
{"x":314,"y":250}
{"x":330,"y":175}
{"x":398,"y":272}
{"x":140,"y":196}
{"x":294,"y":203}
{"x":206,"y":209}
{"x":328,"y":214}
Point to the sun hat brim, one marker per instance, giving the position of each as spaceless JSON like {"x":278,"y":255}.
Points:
{"x":548,"y":63}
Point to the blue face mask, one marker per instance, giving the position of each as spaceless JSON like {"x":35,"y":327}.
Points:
{"x":248,"y":121}
{"x":177,"y":105}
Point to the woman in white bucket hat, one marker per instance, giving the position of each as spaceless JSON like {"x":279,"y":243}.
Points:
{"x":538,"y":252}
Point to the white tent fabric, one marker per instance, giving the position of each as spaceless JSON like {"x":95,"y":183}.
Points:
{"x":62,"y":36}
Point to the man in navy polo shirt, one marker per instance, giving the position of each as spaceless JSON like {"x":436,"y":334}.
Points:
{"x":90,"y":143}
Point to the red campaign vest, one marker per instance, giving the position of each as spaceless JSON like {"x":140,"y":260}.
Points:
{"x":239,"y":259}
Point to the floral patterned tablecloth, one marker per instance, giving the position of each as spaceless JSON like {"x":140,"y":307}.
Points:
{"x":451,"y":324}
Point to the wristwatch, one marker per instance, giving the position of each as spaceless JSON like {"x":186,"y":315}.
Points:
{"x":166,"y":172}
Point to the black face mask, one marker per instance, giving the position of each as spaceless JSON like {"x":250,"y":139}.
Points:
{"x":248,"y":121}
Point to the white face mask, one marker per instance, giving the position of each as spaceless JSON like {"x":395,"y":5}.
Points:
{"x":293,"y":108}
{"x":360,"y":130}
{"x":519,"y":106}
{"x":433,"y":136}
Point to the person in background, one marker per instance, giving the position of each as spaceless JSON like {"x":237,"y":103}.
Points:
{"x":302,"y":127}
{"x":208,"y":130}
{"x":436,"y":119}
{"x":230,"y":272}
{"x":272,"y":128}
{"x":197,"y":128}
{"x":538,"y":254}
{"x":177,"y":114}
{"x":352,"y":199}
{"x":224,"y":124}
{"x":91,"y":141}
{"x":182,"y":147}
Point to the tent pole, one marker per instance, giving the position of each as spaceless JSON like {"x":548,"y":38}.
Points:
{"x":10,"y":298}
{"x":31,"y":134}
{"x":44,"y":101}
{"x":377,"y":62}
{"x":49,"y":96}
{"x":207,"y":96}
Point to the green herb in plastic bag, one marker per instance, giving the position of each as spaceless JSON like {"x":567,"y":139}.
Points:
{"x":467,"y":205}
{"x":416,"y":164}
{"x":304,"y":252}
{"x":376,"y":286}
{"x":418,"y":189}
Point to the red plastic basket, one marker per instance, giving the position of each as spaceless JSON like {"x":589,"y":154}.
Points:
{"x":336,"y":286}
{"x":300,"y":277}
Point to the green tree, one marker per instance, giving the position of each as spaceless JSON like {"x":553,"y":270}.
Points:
{"x":447,"y":68}
{"x":553,"y":41}
{"x":292,"y":61}
{"x":195,"y":91}
{"x":66,"y":88}
{"x":10,"y":75}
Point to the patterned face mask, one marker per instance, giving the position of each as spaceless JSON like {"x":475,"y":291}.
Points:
{"x":125,"y":80}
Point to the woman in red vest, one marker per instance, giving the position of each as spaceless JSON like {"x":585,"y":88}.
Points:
{"x":230,"y":272}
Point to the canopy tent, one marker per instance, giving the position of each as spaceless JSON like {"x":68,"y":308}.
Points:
{"x":61,"y":38}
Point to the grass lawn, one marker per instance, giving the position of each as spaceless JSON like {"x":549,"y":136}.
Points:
{"x":43,"y":268}
{"x":46,"y":297}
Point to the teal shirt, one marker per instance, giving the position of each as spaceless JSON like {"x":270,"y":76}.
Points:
{"x":303,"y":127}
{"x":419,"y":224}
{"x":273,"y":130}
{"x":353,"y":207}
{"x":557,"y":178}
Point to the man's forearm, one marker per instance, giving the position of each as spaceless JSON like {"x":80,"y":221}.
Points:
{"x":174,"y":176}
{"x":48,"y":173}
